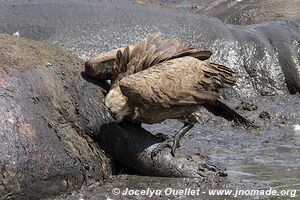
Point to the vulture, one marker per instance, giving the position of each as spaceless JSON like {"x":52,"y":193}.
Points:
{"x":159,"y":79}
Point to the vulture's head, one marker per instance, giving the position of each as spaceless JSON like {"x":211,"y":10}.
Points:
{"x":117,"y":104}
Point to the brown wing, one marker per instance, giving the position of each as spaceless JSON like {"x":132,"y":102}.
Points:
{"x":193,"y":51}
{"x":100,"y":66}
{"x":151,"y":51}
{"x":147,"y":53}
{"x":180,"y":81}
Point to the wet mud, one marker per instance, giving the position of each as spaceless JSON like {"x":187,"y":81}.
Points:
{"x":238,"y":12}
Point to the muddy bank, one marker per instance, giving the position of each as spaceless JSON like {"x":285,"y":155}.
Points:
{"x":244,"y":12}
{"x":133,"y":182}
{"x":239,"y":12}
{"x":265,"y":56}
{"x":44,"y":114}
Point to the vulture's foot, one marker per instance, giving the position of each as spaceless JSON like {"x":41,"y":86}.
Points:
{"x":174,"y":140}
{"x":168,"y":143}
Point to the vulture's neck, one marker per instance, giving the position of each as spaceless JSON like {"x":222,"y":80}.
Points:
{"x":117,"y":103}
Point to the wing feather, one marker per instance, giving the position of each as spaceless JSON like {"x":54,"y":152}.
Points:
{"x":178,"y":82}
{"x":153,"y":50}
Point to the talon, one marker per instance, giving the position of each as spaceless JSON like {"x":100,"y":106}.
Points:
{"x":161,"y":146}
{"x":153,"y":153}
{"x":175,"y":140}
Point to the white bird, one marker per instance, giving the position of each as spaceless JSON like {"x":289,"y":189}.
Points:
{"x":17,"y":33}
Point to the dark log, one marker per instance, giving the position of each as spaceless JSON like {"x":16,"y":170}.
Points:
{"x":131,"y":145}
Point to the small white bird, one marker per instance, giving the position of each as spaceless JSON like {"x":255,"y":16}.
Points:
{"x":297,"y":127}
{"x":17,"y":33}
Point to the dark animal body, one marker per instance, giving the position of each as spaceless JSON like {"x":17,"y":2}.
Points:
{"x":162,"y":79}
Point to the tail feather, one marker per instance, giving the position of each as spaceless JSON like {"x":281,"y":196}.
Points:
{"x":221,"y":109}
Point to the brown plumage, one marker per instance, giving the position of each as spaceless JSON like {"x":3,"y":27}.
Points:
{"x":173,"y":89}
{"x":100,"y":66}
{"x":163,"y":79}
{"x":117,"y":63}
{"x":151,"y":51}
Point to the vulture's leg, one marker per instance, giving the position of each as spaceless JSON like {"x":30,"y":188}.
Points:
{"x":174,"y":140}
{"x":177,"y":137}
{"x":161,"y":146}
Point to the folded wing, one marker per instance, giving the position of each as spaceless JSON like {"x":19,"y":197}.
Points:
{"x":181,"y":81}
{"x":151,"y":51}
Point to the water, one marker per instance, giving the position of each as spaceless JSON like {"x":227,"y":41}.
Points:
{"x":255,"y":159}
